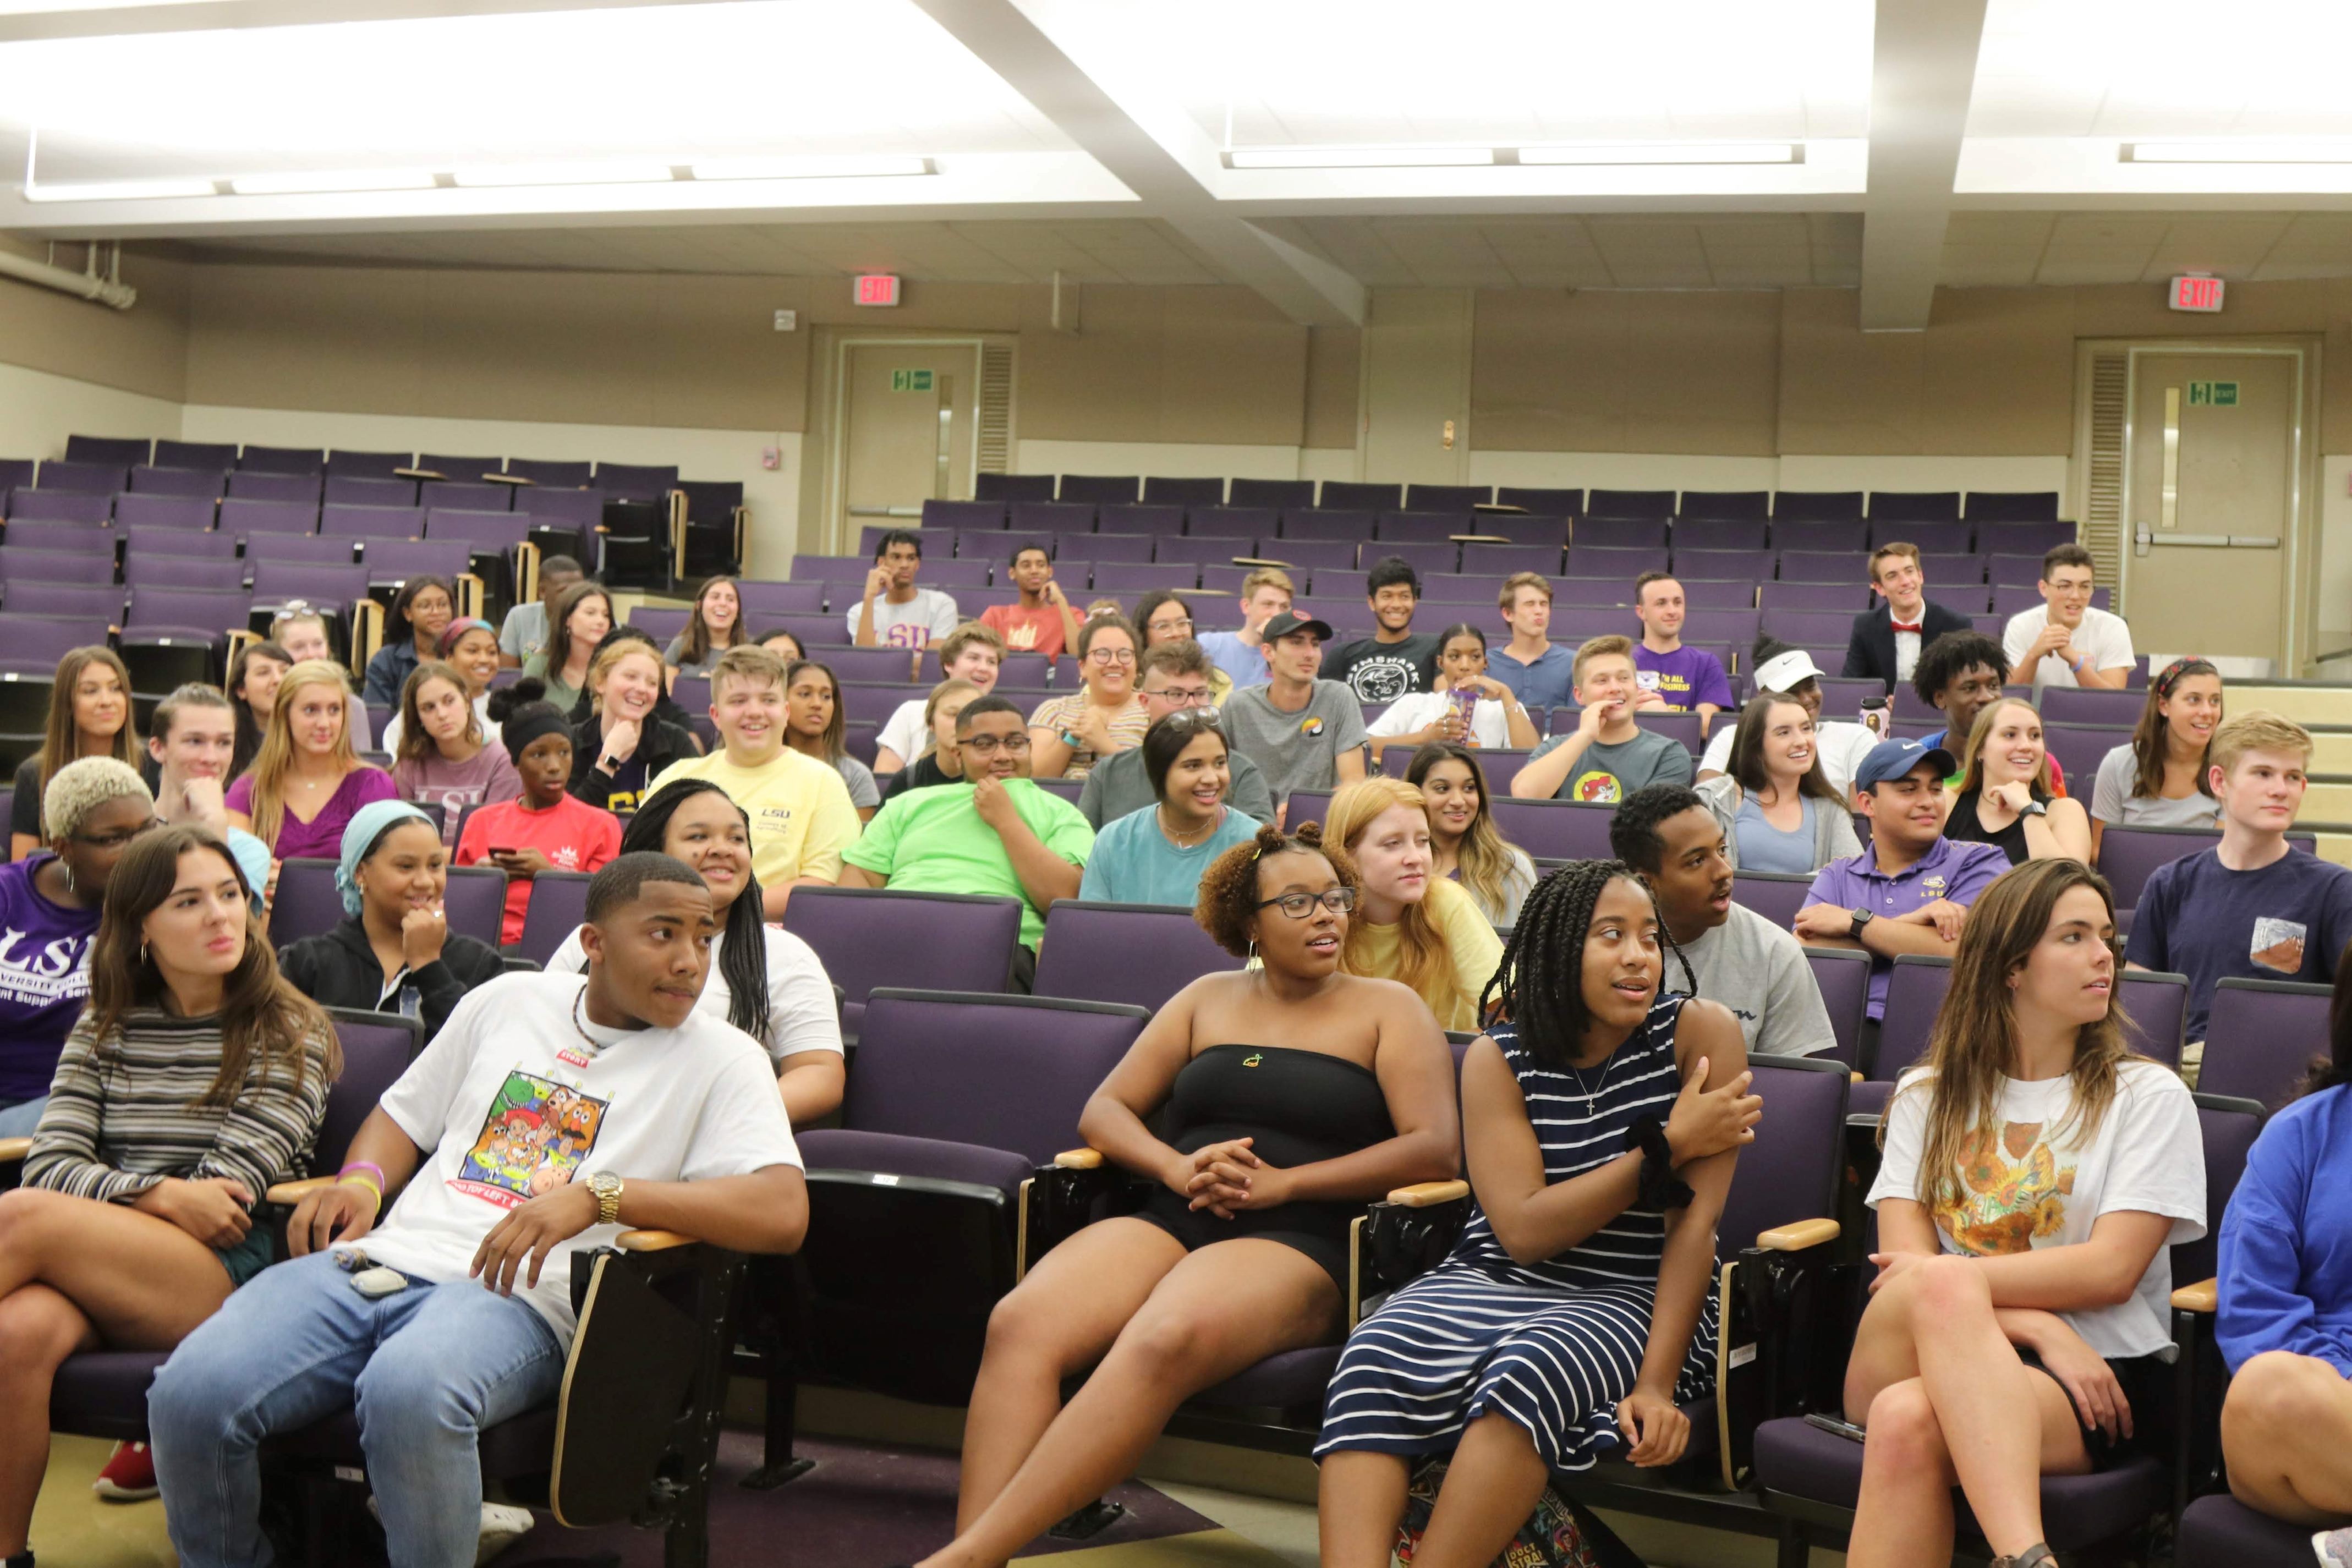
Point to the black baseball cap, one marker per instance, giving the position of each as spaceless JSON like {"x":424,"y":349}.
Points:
{"x":1282,"y":625}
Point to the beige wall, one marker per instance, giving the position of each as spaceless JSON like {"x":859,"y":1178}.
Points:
{"x":144,"y":349}
{"x":1190,"y":367}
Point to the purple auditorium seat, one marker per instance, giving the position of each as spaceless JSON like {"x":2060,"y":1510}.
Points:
{"x":955,"y":574}
{"x":1823,"y":567}
{"x":1932,"y":538}
{"x":107,"y":451}
{"x":761,"y":599}
{"x":15,"y":473}
{"x":872,"y":664}
{"x":281,"y":581}
{"x":211,"y":612}
{"x":1716,"y":565}
{"x":89,"y":478}
{"x":43,"y":505}
{"x":1556,"y":502}
{"x":1457,"y":589}
{"x":2157,"y":1003}
{"x":1317,"y":554}
{"x":2009,"y":571}
{"x":559,"y":905}
{"x":1185,"y":492}
{"x":1713,"y":629}
{"x":1041,"y":518}
{"x":282,"y":461}
{"x":1816,"y":506}
{"x":2091,"y":705}
{"x":217,"y":456}
{"x":80,"y":601}
{"x":1139,"y":577}
{"x":1952,"y":570}
{"x":344,"y":491}
{"x":1520,"y":528}
{"x":144,"y":565}
{"x":489,"y":532}
{"x":1356,"y":496}
{"x":1913,"y":506}
{"x":862,"y":935}
{"x":1197,"y":551}
{"x":2023,"y":538}
{"x":659,"y":623}
{"x":554,"y":473}
{"x":1278,"y":493}
{"x":176,"y":481}
{"x":964,"y":514}
{"x":1629,"y":503}
{"x":23,"y":565}
{"x":634,"y":481}
{"x":302,"y":488}
{"x":1131,"y":547}
{"x":1302,"y":522}
{"x":1162,"y":522}
{"x":1456,"y":499}
{"x":246,"y":518}
{"x":458,"y":469}
{"x":397,"y":559}
{"x":1842,"y":977}
{"x":1424,"y":527}
{"x":814,"y":631}
{"x":2219,"y":1531}
{"x":1012,"y":487}
{"x":1555,"y":830}
{"x":1500,"y":560}
{"x":1725,"y":505}
{"x":340,"y":521}
{"x":35,"y":643}
{"x":972,"y":543}
{"x":2261,"y":1037}
{"x":455,"y":495}
{"x":1226,"y":579}
{"x":580,"y":510}
{"x":60,"y":538}
{"x":342,"y":465}
{"x":1571,"y":624}
{"x":1777,"y":896}
{"x":1100,"y":489}
{"x":1807,"y":629}
{"x":1842,"y":697}
{"x":1718,"y":533}
{"x":190,"y":514}
{"x":311,"y":549}
{"x":1140,"y":954}
{"x":1846,"y":597}
{"x":1825,"y":536}
{"x":1712,"y":594}
{"x":1623,"y":564}
{"x":2012,"y":505}
{"x":1915,"y":994}
{"x":1241,"y":522}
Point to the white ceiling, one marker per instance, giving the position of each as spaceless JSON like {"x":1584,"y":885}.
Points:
{"x":1981,"y":141}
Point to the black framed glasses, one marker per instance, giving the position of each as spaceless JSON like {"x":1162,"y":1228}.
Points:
{"x":1298,"y":906}
{"x":988,"y":746}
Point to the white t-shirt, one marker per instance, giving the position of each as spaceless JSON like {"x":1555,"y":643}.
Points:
{"x":906,"y":732}
{"x":919,"y":623}
{"x":801,"y":1014}
{"x":1490,"y":726}
{"x":2149,"y":1156}
{"x":511,"y":1100}
{"x":390,"y":739}
{"x":1841,"y":745}
{"x":2104,"y":638}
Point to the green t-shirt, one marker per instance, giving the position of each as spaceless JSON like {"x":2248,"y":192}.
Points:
{"x":933,"y":841}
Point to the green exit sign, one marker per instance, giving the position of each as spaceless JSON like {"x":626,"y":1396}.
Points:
{"x":2212,"y":395}
{"x":921,"y":381}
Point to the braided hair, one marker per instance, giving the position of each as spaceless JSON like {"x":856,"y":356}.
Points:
{"x":1540,"y":983}
{"x":744,"y":951}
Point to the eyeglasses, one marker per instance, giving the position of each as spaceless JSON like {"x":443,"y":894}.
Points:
{"x":988,"y":746}
{"x":1182,"y":625}
{"x":1296,"y":906}
{"x":1112,"y":656}
{"x":1184,"y":697}
{"x":116,"y":840}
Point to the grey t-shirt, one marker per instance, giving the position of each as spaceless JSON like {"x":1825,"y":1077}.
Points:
{"x":2113,"y":803}
{"x":1606,"y":774}
{"x":1295,"y":751}
{"x":1759,"y":970}
{"x":1117,"y":786}
{"x":525,"y":631}
{"x":863,"y":791}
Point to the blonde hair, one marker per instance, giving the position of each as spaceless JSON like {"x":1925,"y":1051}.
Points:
{"x":610,"y":654}
{"x":2256,"y":730}
{"x":1980,"y":735}
{"x":266,"y":809}
{"x":940,"y":693}
{"x":81,"y":787}
{"x":1599,"y":648}
{"x":1267,"y":577}
{"x":750,"y":662}
{"x":1425,"y":964}
{"x":1518,"y":580}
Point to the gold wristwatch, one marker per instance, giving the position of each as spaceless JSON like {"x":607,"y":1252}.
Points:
{"x":607,"y":1188}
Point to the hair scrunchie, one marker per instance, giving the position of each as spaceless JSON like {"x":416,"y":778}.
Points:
{"x":1661,"y":1188}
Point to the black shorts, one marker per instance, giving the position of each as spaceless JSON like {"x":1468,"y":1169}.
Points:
{"x":2137,"y":1377}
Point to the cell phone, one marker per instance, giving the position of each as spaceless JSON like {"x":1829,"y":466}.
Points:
{"x":494,"y":850}
{"x":1831,"y":1423}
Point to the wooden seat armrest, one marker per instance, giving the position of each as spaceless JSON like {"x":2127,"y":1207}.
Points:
{"x":14,"y":1150}
{"x":1079,"y":1159}
{"x":653,"y":1240}
{"x":1428,"y":1194}
{"x":2205,"y":1296}
{"x":1856,"y":1078}
{"x":1796,"y":1238}
{"x":289,"y":1194}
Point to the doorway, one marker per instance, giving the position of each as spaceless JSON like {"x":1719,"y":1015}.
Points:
{"x":2214,"y":542}
{"x":906,"y":430}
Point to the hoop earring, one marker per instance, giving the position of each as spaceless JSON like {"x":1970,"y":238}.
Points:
{"x":1252,"y":951}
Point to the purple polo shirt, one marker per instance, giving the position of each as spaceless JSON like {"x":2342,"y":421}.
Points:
{"x":1950,"y":871}
{"x":1685,"y":678}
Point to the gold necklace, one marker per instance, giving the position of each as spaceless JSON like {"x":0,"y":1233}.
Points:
{"x":1181,"y":841}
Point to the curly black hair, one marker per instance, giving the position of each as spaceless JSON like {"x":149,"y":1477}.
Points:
{"x":1540,"y":983}
{"x":1633,"y":830}
{"x":1229,"y":894}
{"x":1942,"y":661}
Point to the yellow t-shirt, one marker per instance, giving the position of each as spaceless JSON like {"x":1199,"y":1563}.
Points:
{"x":800,"y":817}
{"x":1470,"y":943}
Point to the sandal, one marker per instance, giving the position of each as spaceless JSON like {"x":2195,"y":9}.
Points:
{"x":2034,"y":1556}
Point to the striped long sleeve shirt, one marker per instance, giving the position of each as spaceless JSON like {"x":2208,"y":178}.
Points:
{"x":123,"y":1118}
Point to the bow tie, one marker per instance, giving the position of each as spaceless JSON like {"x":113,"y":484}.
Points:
{"x":1911,"y":626}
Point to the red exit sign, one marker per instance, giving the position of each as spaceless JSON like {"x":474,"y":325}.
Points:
{"x":882,"y":289}
{"x":2197,"y":294}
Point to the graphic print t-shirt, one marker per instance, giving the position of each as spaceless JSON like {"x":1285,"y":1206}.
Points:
{"x":2039,"y":1183}
{"x":513,"y":1099}
{"x":43,"y":979}
{"x":1379,"y":671}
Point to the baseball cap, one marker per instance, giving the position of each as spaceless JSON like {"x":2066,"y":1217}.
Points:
{"x":1787,"y":672}
{"x":1892,"y":759}
{"x":1282,"y":625}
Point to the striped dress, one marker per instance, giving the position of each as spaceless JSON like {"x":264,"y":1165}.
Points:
{"x":123,"y":1117}
{"x":1555,"y":1346}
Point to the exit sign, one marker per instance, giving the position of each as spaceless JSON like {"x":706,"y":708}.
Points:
{"x":2197,"y":294}
{"x":2212,"y":395}
{"x":882,"y":289}
{"x":910,"y":381}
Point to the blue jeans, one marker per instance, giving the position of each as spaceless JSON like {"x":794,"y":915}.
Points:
{"x":23,"y":1118}
{"x":428,"y":1368}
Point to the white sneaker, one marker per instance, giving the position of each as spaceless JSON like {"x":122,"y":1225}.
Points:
{"x":502,"y":1526}
{"x":2333,"y":1547}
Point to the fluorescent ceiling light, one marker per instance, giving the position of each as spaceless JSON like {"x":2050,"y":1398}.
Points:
{"x":608,"y":174}
{"x":2237,"y":150}
{"x":1357,"y":157}
{"x":119,"y":191}
{"x":1666,"y":153}
{"x":306,"y":183}
{"x":842,"y":168}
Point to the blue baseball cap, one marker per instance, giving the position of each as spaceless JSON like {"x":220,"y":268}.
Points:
{"x":1892,"y":759}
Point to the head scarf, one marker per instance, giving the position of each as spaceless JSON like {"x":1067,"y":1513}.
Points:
{"x":460,"y":627}
{"x":368,"y":824}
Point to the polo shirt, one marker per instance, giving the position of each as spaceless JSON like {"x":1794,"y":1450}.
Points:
{"x":1549,"y":682}
{"x":1949,"y":869}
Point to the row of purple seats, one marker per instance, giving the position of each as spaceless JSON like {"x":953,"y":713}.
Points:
{"x":88,"y":459}
{"x":1911,"y":506}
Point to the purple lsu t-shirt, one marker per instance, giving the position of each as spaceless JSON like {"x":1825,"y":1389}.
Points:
{"x":321,"y":838}
{"x":1685,"y":678}
{"x":43,"y":979}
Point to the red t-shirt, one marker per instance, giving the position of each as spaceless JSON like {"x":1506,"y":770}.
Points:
{"x":573,"y":835}
{"x":1025,"y":631}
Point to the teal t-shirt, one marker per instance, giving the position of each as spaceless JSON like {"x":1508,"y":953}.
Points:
{"x":1133,"y":863}
{"x":933,"y":841}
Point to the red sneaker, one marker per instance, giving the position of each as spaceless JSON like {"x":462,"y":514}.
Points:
{"x":129,"y":1476}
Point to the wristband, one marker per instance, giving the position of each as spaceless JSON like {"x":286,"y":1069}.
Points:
{"x":370,"y":1167}
{"x":1660,"y":1187}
